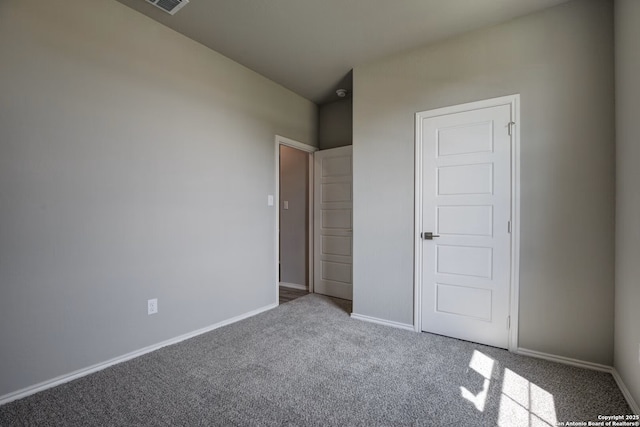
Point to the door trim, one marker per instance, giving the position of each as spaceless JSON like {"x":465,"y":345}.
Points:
{"x":281,"y":140}
{"x":513,"y":101}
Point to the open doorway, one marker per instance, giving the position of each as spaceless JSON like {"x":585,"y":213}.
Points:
{"x":294,"y":219}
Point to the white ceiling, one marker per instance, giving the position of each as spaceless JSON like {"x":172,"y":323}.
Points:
{"x":310,"y":46}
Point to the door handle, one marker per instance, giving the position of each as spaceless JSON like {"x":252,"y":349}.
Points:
{"x":428,"y":235}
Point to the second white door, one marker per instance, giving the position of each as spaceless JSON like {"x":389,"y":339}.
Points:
{"x":333,"y":228}
{"x":466,"y":205}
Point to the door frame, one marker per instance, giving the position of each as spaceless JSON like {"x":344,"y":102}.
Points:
{"x":280,"y":141}
{"x":513,"y":101}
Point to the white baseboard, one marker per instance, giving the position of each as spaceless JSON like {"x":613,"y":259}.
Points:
{"x":19,"y":394}
{"x":625,"y":392}
{"x":293,"y":286}
{"x":382,"y":322}
{"x":564,"y":360}
{"x":587,"y":365}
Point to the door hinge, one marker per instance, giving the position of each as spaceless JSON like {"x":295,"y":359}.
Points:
{"x":509,"y":227}
{"x":510,"y":127}
{"x":508,"y":322}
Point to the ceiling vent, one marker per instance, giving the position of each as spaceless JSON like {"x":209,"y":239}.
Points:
{"x":169,"y":6}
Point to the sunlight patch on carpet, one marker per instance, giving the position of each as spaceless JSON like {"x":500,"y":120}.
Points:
{"x":523,"y":403}
{"x":483,"y":365}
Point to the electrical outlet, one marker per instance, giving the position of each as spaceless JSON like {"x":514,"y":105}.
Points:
{"x":152,"y":306}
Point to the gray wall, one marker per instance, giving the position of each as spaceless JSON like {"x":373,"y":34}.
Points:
{"x":335,"y":124}
{"x":627,"y":332}
{"x":294,"y":222}
{"x":561,"y":62}
{"x":134,"y":163}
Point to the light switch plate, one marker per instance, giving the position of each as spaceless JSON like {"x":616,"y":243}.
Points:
{"x":285,"y":204}
{"x":270,"y":200}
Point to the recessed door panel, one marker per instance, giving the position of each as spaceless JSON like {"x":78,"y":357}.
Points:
{"x":463,"y":301}
{"x":464,"y":261}
{"x":336,"y":272}
{"x":465,"y":179}
{"x":336,"y":166}
{"x":336,"y":218}
{"x":465,"y":139}
{"x":336,"y":245}
{"x":335,"y":192}
{"x":465,"y":220}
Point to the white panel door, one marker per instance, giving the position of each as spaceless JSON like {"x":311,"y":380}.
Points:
{"x":333,"y":232}
{"x":466,"y":195}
